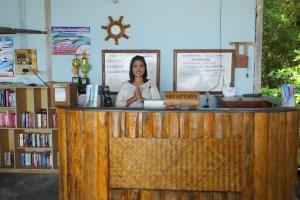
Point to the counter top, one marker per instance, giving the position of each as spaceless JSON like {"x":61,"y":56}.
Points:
{"x":199,"y":109}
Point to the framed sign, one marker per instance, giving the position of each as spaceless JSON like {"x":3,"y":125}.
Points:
{"x":203,"y":70}
{"x":116,"y":64}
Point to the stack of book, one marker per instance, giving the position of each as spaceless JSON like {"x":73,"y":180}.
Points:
{"x":54,"y":120}
{"x":42,"y":118}
{"x":36,"y":159}
{"x":8,"y":159}
{"x":7,"y":119}
{"x":35,"y":140}
{"x":7,"y":98}
{"x":27,"y":120}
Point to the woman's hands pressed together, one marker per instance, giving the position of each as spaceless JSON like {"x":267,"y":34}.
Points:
{"x":136,"y":97}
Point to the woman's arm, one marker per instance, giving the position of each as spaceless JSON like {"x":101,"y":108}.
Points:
{"x":154,"y":91}
{"x":121,"y":100}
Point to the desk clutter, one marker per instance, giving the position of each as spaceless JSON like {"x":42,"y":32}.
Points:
{"x":72,"y":94}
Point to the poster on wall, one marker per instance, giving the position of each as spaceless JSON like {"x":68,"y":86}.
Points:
{"x":6,"y":57}
{"x":203,"y":70}
{"x":116,"y":64}
{"x":70,"y":40}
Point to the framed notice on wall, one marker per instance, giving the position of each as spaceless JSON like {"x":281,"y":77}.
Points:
{"x":116,"y":64}
{"x":203,"y":70}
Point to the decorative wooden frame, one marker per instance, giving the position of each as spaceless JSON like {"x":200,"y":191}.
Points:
{"x":203,"y":51}
{"x":116,"y":23}
{"x":130,"y":54}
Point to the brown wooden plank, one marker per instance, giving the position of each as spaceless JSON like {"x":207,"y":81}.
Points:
{"x":171,"y":195}
{"x":148,"y":131}
{"x":116,"y":122}
{"x":165,"y":126}
{"x":291,"y":156}
{"x":219,"y":126}
{"x":102,"y":156}
{"x":209,"y":123}
{"x":184,"y":125}
{"x":282,"y":179}
{"x":90,"y":164}
{"x":133,"y":194}
{"x":261,"y":156}
{"x":123,"y":195}
{"x":222,"y":131}
{"x":220,"y":196}
{"x":234,"y":196}
{"x":150,"y":195}
{"x":77,"y":154}
{"x":131,"y":124}
{"x":294,"y":139}
{"x":70,"y":139}
{"x":62,"y":140}
{"x":196,"y":125}
{"x":227,"y":125}
{"x":237,"y":125}
{"x":173,"y":133}
{"x":248,"y":153}
{"x":174,"y":125}
{"x":273,"y":155}
{"x":206,"y":196}
{"x":157,"y":124}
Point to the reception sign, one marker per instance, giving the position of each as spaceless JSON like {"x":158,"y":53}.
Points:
{"x":203,"y":70}
{"x":116,"y":64}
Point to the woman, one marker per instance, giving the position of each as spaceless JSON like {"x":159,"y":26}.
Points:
{"x":138,"y":88}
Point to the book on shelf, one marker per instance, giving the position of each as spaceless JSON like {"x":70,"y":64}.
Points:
{"x":7,"y":119}
{"x":27,"y":120}
{"x":7,"y":98}
{"x":42,"y":118}
{"x":8,"y":159}
{"x":35,"y":140}
{"x":54,"y":120}
{"x":36,"y":159}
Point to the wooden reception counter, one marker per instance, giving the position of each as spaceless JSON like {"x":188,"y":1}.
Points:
{"x":206,"y":154}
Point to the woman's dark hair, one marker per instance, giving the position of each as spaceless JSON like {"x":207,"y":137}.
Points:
{"x":131,"y":75}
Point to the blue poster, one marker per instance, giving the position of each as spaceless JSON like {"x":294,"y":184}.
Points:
{"x":6,"y":56}
{"x":70,"y":40}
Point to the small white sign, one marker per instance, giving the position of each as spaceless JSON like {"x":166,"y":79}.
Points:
{"x":60,"y":94}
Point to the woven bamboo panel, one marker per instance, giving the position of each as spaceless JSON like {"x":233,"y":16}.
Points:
{"x":175,"y":164}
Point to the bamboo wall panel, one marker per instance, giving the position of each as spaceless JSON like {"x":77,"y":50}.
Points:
{"x":175,"y":164}
{"x":266,"y":140}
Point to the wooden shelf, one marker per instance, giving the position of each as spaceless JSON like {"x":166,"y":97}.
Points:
{"x":7,"y":30}
{"x":39,"y":149}
{"x":28,"y":170}
{"x":7,"y":108}
{"x":28,"y":99}
{"x":7,"y":128}
{"x":36,"y":129}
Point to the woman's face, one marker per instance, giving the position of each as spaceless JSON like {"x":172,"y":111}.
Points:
{"x":138,"y":69}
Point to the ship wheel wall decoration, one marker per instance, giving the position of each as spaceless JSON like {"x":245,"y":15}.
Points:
{"x":116,"y":29}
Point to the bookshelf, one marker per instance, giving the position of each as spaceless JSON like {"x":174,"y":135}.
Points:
{"x":28,"y":132}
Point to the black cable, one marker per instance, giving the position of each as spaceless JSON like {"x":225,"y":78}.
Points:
{"x":220,"y":54}
{"x":36,"y":74}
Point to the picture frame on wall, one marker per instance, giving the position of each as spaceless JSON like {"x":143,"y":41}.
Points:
{"x":203,"y":70}
{"x":116,"y":64}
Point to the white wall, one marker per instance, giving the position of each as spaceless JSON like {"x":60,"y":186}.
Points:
{"x":165,"y":25}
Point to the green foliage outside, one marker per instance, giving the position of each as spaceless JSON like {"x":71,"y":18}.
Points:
{"x":281,"y":46}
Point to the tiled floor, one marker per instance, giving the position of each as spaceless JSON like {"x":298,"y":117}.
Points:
{"x":38,"y":187}
{"x":28,"y":186}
